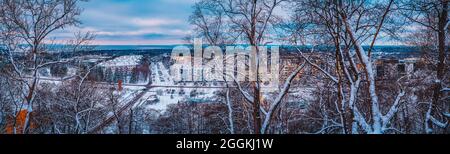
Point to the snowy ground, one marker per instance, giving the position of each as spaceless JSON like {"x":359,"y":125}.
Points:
{"x":160,"y":74}
{"x":159,"y":98}
{"x":123,"y":61}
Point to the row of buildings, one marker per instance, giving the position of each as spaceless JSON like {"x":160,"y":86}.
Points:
{"x":387,"y":68}
{"x":127,"y":69}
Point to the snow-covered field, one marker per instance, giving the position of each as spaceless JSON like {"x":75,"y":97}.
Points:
{"x":122,"y":61}
{"x":159,"y":98}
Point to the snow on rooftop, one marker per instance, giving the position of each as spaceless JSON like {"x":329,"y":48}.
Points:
{"x":122,"y":61}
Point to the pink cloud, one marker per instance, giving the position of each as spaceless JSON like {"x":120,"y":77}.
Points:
{"x":153,"y":22}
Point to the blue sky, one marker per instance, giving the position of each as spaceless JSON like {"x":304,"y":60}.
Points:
{"x":136,"y":22}
{"x":133,"y":22}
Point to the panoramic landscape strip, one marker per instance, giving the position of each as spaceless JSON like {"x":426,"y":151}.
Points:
{"x":224,"y":67}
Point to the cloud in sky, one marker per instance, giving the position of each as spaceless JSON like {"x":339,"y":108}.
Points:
{"x":137,"y":22}
{"x":134,"y":22}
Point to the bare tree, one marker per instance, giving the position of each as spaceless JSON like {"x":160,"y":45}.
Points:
{"x":251,"y":21}
{"x":209,"y":23}
{"x":347,"y":24}
{"x":26,"y":26}
{"x":432,"y":18}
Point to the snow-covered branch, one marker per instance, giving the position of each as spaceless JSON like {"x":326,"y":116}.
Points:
{"x":230,"y":112}
{"x":446,"y":25}
{"x":246,"y":95}
{"x":317,"y":67}
{"x":394,"y":108}
{"x":277,"y":101}
{"x":63,"y":61}
{"x":367,"y":64}
{"x":429,"y":117}
{"x":447,"y":115}
{"x":438,"y":123}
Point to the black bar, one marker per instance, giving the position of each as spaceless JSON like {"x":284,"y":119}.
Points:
{"x":168,"y":143}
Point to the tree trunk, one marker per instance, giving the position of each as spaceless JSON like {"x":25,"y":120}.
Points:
{"x":440,"y":71}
